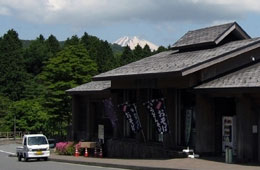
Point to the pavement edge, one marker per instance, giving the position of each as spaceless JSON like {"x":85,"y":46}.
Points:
{"x":107,"y":165}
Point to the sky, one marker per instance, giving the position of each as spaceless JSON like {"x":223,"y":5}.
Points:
{"x":160,"y":21}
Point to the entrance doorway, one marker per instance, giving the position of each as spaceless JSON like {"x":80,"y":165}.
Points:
{"x":188,"y":119}
{"x":224,"y":108}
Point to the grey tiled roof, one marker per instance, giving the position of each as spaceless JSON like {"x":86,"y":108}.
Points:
{"x":91,"y":86}
{"x":247,"y":77}
{"x":207,"y":35}
{"x":171,"y":61}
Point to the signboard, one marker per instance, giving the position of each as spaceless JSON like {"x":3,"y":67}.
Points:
{"x":156,"y":108}
{"x":101,"y":132}
{"x":229,"y":133}
{"x":110,"y":111}
{"x":132,"y":116}
{"x":188,"y":120}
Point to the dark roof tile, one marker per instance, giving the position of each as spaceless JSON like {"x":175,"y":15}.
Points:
{"x":247,"y":77}
{"x":204,"y":35}
{"x":210,"y":35}
{"x":91,"y":86}
{"x":172,"y":61}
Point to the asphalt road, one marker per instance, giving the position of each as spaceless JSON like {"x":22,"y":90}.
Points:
{"x":11,"y":163}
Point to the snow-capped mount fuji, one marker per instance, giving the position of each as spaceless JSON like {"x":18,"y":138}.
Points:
{"x":133,"y":41}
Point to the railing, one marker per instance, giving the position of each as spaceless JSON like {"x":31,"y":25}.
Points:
{"x":8,"y":135}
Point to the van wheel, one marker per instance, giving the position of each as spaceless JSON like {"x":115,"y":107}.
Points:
{"x":45,"y":159}
{"x":19,"y":158}
{"x":25,"y":159}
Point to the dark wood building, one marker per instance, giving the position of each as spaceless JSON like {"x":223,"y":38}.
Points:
{"x":210,"y":85}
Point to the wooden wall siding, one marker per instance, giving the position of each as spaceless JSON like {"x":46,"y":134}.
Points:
{"x":205,"y":124}
{"x":79,"y":126}
{"x":74,"y":116}
{"x":157,"y":83}
{"x":116,"y":148}
{"x":246,"y":140}
{"x":142,"y":95}
{"x":170,"y":139}
{"x":83,"y":117}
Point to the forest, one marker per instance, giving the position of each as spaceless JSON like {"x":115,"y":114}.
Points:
{"x":34,"y":75}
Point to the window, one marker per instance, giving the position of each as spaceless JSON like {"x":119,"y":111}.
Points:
{"x":37,"y":140}
{"x":25,"y":141}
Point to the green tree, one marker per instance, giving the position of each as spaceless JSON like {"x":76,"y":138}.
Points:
{"x":12,"y":68}
{"x":74,"y":40}
{"x":99,"y":51}
{"x":138,"y":52}
{"x":5,"y":102}
{"x":105,"y":57}
{"x":146,"y":51}
{"x":70,"y":67}
{"x":53,"y":44}
{"x":28,"y":115}
{"x":127,"y":56}
{"x":161,"y":49}
{"x":35,"y":55}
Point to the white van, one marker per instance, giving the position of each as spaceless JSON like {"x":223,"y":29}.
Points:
{"x":34,"y":147}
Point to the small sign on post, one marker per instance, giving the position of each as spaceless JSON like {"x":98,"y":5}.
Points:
{"x":254,"y":129}
{"x":101,"y":133}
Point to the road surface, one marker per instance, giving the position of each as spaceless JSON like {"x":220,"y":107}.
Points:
{"x":11,"y":163}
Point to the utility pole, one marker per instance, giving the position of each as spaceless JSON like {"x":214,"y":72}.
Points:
{"x":14,"y":127}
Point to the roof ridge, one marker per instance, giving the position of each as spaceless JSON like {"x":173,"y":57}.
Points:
{"x":254,"y":42}
{"x":224,"y":32}
{"x":231,"y":24}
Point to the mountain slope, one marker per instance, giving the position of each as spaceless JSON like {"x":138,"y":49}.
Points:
{"x":133,"y":41}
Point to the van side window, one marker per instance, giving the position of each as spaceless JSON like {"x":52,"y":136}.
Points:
{"x":25,"y":141}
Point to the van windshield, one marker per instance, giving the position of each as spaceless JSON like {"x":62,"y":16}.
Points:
{"x":37,"y":140}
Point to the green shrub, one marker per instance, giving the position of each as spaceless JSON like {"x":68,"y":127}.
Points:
{"x":70,"y":150}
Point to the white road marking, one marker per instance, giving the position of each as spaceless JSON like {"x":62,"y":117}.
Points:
{"x":10,"y":153}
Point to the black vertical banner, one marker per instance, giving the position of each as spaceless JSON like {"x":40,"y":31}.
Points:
{"x":131,"y":114}
{"x":156,"y":108}
{"x":110,"y":111}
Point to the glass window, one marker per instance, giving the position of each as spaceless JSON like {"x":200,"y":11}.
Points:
{"x":37,"y":140}
{"x":25,"y":141}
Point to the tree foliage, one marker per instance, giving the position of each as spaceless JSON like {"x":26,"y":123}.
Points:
{"x":53,"y":45}
{"x":5,"y":102}
{"x":34,"y":77}
{"x":100,"y":51}
{"x":35,"y":55}
{"x":127,"y":56}
{"x":12,"y":68}
{"x":28,"y":115}
{"x":70,"y":67}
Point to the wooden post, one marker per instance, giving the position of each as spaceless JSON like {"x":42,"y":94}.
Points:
{"x":14,"y":127}
{"x":143,"y":135}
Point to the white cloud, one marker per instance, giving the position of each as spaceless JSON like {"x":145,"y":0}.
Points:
{"x":241,"y":5}
{"x":93,"y":12}
{"x":4,"y":11}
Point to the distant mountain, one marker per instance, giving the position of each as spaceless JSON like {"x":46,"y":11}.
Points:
{"x":133,"y":41}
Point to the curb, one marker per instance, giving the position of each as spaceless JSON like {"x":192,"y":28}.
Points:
{"x":108,"y":165}
{"x":12,"y":155}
